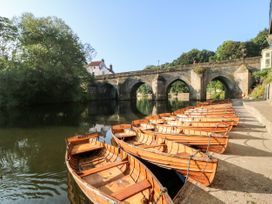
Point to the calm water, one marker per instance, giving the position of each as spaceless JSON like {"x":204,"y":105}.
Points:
{"x":32,"y":145}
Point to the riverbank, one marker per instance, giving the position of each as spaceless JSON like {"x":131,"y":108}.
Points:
{"x":244,"y":173}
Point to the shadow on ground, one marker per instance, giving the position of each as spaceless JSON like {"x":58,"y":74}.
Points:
{"x":242,"y":150}
{"x":246,"y":129}
{"x":192,"y":194}
{"x":247,"y":125}
{"x":234,"y":178}
{"x":246,"y":136}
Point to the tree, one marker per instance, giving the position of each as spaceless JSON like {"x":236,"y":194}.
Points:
{"x":229,"y":50}
{"x":47,"y":65}
{"x":193,"y":56}
{"x":151,"y":67}
{"x":251,"y":49}
{"x":261,"y":40}
{"x":8,"y":42}
{"x":179,"y":87}
{"x":235,"y":49}
{"x":216,"y":89}
{"x":144,"y":90}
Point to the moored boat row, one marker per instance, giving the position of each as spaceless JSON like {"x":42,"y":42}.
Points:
{"x":181,"y":140}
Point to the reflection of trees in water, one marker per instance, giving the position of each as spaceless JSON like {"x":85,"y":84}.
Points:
{"x":177,"y":104}
{"x":145,"y":106}
{"x":15,"y":158}
{"x":52,"y":115}
{"x":32,"y":159}
{"x":85,"y":116}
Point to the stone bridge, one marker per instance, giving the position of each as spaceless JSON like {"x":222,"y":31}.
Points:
{"x":236,"y":76}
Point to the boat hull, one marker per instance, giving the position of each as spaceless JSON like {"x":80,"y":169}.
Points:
{"x":109,"y":175}
{"x":200,"y":170}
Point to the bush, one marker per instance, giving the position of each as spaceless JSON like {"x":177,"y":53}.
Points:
{"x":258,"y":92}
{"x":199,"y":70}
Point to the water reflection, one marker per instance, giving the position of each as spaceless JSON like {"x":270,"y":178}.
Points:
{"x":32,"y":147}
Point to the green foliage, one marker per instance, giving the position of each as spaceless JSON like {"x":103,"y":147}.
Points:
{"x":216,"y":90}
{"x":144,"y":106}
{"x":261,"y":75}
{"x":235,"y":49}
{"x":199,"y":70}
{"x":229,"y":50}
{"x":268,"y":78}
{"x":258,"y":92}
{"x":177,"y":104}
{"x":261,"y":39}
{"x":193,"y":56}
{"x":179,"y":87}
{"x":144,"y":90}
{"x":215,"y":85}
{"x":151,"y":67}
{"x":47,"y":65}
{"x":8,"y":35}
{"x":263,"y":78}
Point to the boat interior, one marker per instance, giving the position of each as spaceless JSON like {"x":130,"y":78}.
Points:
{"x":113,"y":172}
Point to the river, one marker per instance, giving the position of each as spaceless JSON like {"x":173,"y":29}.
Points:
{"x":32,"y":145}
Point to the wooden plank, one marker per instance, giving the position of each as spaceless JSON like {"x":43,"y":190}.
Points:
{"x":80,"y":148}
{"x":132,"y":190}
{"x":126,"y":134}
{"x":82,"y":138}
{"x":152,"y":146}
{"x":101,"y":168}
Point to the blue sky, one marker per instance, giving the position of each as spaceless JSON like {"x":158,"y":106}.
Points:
{"x":133,"y":34}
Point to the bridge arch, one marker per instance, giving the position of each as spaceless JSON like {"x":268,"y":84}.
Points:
{"x":109,"y":90}
{"x":227,"y":81}
{"x":176,"y":79}
{"x":131,"y":85}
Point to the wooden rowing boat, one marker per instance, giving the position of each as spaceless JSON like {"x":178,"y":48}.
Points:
{"x":186,"y":118}
{"x":192,"y":163}
{"x":107,"y":174}
{"x":198,"y":126}
{"x":202,"y":140}
{"x":216,"y":127}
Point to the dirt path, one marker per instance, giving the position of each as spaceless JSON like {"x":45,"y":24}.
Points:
{"x":244,"y":173}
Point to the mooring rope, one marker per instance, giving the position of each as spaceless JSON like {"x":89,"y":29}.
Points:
{"x":163,"y":190}
{"x":188,"y":164}
{"x":209,"y":142}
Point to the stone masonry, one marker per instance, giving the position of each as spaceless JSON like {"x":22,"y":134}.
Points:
{"x":235,"y":75}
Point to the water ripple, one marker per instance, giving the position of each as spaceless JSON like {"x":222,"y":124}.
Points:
{"x":32,"y":186}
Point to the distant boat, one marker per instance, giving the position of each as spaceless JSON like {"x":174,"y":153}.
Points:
{"x":191,"y":163}
{"x":205,"y":139}
{"x":216,"y":127}
{"x":107,"y":174}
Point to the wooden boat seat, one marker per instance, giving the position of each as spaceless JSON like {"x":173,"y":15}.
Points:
{"x":157,"y":121}
{"x":101,"y":168}
{"x":131,"y":190}
{"x":126,"y":134}
{"x":145,"y":126}
{"x":168,"y":130}
{"x":86,"y":147}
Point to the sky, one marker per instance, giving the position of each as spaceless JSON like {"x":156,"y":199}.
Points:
{"x":133,"y":34}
